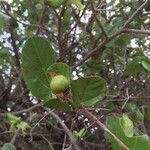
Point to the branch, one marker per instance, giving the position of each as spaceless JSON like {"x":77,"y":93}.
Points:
{"x":135,"y":14}
{"x":50,"y":34}
{"x":105,"y":41}
{"x":104,"y":128}
{"x":14,"y":137}
{"x":15,"y":48}
{"x":54,"y":115}
{"x":126,"y":30}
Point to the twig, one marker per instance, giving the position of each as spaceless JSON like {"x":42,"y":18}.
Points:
{"x":54,"y":115}
{"x":44,"y":28}
{"x":135,"y":14}
{"x":128,"y":98}
{"x":14,"y":137}
{"x":102,"y":28}
{"x":22,"y":111}
{"x":104,"y":128}
{"x":15,"y":48}
{"x":50,"y":144}
{"x":36,"y":125}
{"x":64,"y":143}
{"x":126,"y":30}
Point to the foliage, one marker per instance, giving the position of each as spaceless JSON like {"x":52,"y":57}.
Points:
{"x":16,"y":123}
{"x":118,"y":127}
{"x":35,"y":61}
{"x":101,"y":47}
{"x":8,"y":146}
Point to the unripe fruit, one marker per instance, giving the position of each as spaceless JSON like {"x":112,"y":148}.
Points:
{"x":59,"y":84}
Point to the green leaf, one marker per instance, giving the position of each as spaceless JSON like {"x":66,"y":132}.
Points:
{"x":146,"y":64}
{"x":147,"y":7}
{"x":133,"y":143}
{"x":15,"y":122}
{"x":122,"y":40}
{"x":4,"y":51}
{"x":112,"y":28}
{"x":3,"y":20}
{"x":23,"y":125}
{"x":140,"y":143}
{"x":140,"y":64}
{"x":57,"y":104}
{"x":77,"y":3}
{"x":136,"y":114}
{"x":13,"y":119}
{"x":8,"y":146}
{"x":66,"y":18}
{"x":147,"y":114}
{"x":56,"y":3}
{"x":134,"y":68}
{"x":37,"y":56}
{"x":60,"y":69}
{"x":4,"y":55}
{"x":127,"y":125}
{"x":94,"y":65}
{"x":75,"y":135}
{"x":88,"y":91}
{"x":80,"y":134}
{"x":12,"y":128}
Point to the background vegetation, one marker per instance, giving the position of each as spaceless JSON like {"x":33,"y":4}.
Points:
{"x":105,"y":45}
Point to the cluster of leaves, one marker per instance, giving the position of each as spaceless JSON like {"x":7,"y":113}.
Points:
{"x":38,"y":60}
{"x":16,"y":123}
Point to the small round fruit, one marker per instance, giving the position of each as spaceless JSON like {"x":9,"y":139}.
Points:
{"x":59,"y":84}
{"x":56,"y":3}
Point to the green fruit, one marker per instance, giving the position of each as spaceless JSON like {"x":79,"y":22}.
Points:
{"x":59,"y":84}
{"x":56,"y":3}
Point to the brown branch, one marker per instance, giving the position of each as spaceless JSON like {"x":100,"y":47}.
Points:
{"x":16,"y":51}
{"x":105,"y":41}
{"x":104,"y":128}
{"x":102,"y":28}
{"x":126,"y":30}
{"x":89,"y":25}
{"x":15,"y":48}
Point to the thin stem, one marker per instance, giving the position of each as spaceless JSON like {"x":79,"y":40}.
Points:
{"x":104,"y":128}
{"x":54,"y":115}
